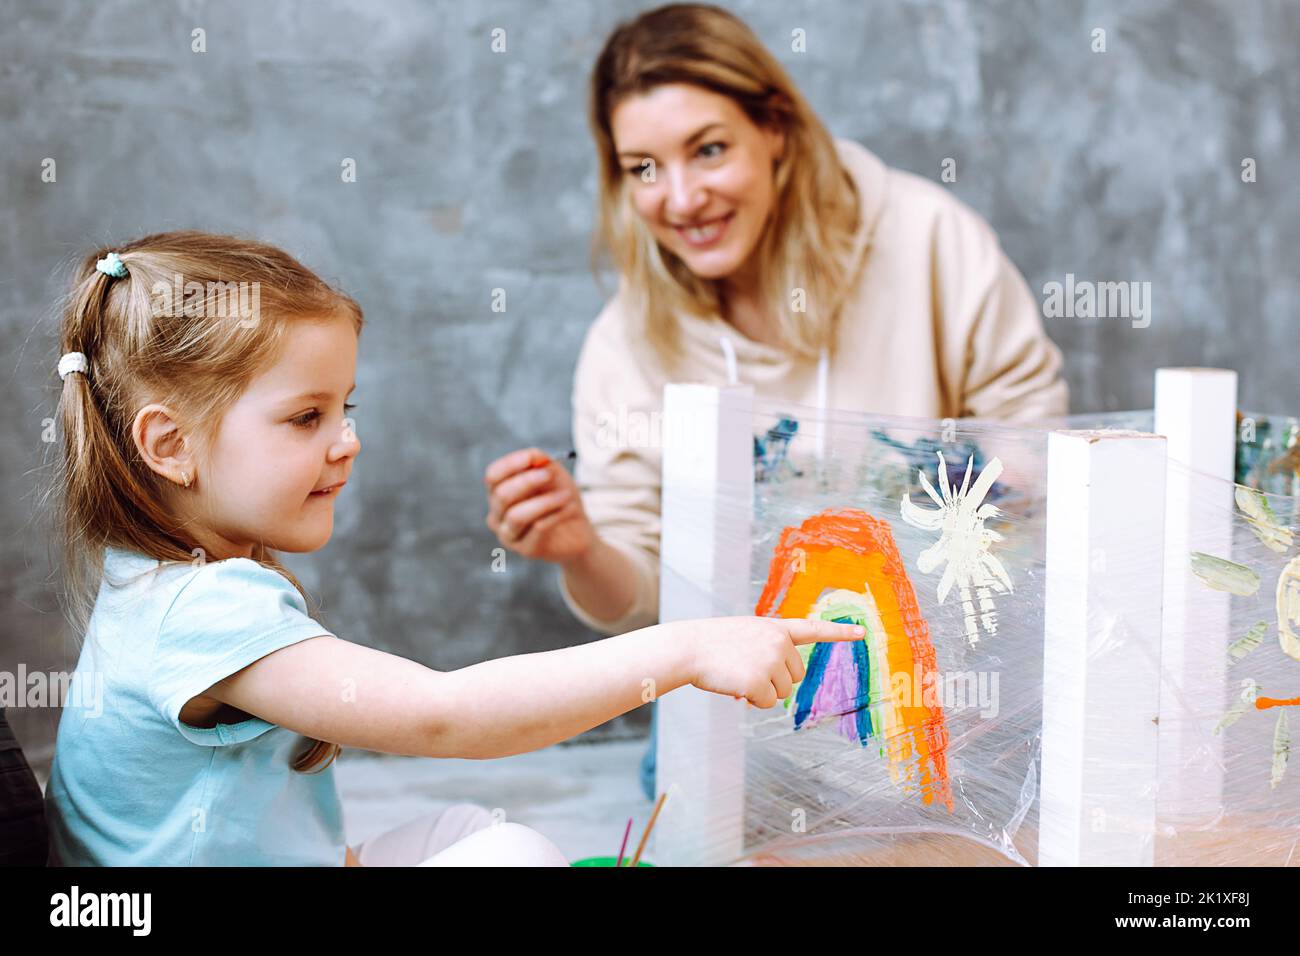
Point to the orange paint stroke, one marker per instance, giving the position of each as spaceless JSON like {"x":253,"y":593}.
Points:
{"x":1264,"y":703}
{"x":849,"y":549}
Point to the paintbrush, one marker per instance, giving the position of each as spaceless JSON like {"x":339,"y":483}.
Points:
{"x":623,"y":846}
{"x":659,"y":805}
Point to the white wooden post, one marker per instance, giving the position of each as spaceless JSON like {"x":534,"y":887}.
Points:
{"x":1101,"y":657}
{"x":708,"y":482}
{"x":1195,"y":409}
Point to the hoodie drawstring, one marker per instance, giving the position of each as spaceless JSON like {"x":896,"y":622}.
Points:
{"x":729,"y":353}
{"x":823,"y":389}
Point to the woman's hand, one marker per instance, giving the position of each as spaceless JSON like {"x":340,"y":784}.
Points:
{"x":754,"y":657}
{"x":535,"y":508}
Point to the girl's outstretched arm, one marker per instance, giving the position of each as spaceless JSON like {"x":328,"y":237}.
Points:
{"x":356,"y":696}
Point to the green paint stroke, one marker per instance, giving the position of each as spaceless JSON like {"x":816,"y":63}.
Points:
{"x":1249,"y":691}
{"x":1244,"y":645}
{"x":1262,"y":519}
{"x":1222,"y":575}
{"x":1281,"y":748}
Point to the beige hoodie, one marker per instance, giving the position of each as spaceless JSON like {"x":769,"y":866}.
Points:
{"x":940,"y":324}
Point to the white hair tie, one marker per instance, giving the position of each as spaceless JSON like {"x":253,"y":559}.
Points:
{"x":112,"y":265}
{"x":73,"y":362}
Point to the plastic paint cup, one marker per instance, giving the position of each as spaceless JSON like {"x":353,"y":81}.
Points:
{"x":606,"y":861}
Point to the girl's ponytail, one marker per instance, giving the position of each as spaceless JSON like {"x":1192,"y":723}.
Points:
{"x":153,"y":322}
{"x":104,"y":499}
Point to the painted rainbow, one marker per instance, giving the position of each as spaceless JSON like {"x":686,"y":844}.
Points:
{"x":843,"y":565}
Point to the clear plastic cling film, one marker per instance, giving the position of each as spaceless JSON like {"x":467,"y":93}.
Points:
{"x":924,"y":743}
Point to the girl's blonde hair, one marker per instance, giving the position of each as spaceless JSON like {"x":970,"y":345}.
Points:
{"x":194,"y":352}
{"x":810,"y":237}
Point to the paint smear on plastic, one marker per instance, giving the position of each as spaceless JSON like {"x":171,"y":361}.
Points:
{"x":1222,"y":575}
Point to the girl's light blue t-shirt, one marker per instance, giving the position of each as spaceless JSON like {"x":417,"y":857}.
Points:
{"x":131,"y":784}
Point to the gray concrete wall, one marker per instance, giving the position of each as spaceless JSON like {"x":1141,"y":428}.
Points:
{"x":475,"y":171}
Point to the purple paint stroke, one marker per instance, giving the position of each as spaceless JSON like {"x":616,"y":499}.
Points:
{"x":838,"y":692}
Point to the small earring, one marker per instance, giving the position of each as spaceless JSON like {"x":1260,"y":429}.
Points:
{"x":185,"y":478}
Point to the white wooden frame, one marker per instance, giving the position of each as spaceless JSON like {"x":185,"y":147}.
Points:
{"x":1107,"y":490}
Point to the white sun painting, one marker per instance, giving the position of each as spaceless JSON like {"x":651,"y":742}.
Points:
{"x":964,"y":542}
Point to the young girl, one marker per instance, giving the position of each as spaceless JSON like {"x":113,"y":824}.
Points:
{"x":205,"y":425}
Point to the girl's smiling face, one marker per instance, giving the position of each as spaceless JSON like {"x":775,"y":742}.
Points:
{"x":711,"y":189}
{"x":282,"y":452}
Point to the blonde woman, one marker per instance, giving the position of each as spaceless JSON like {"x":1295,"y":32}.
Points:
{"x":750,"y":242}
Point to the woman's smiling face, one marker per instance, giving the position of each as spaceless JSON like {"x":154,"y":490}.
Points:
{"x":699,"y":173}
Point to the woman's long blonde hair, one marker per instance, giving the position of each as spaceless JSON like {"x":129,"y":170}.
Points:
{"x":193,"y":353}
{"x":810,"y":237}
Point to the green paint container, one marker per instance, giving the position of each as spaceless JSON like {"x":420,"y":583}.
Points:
{"x":606,"y":861}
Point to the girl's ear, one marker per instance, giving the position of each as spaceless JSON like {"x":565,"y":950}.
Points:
{"x":162,"y":445}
